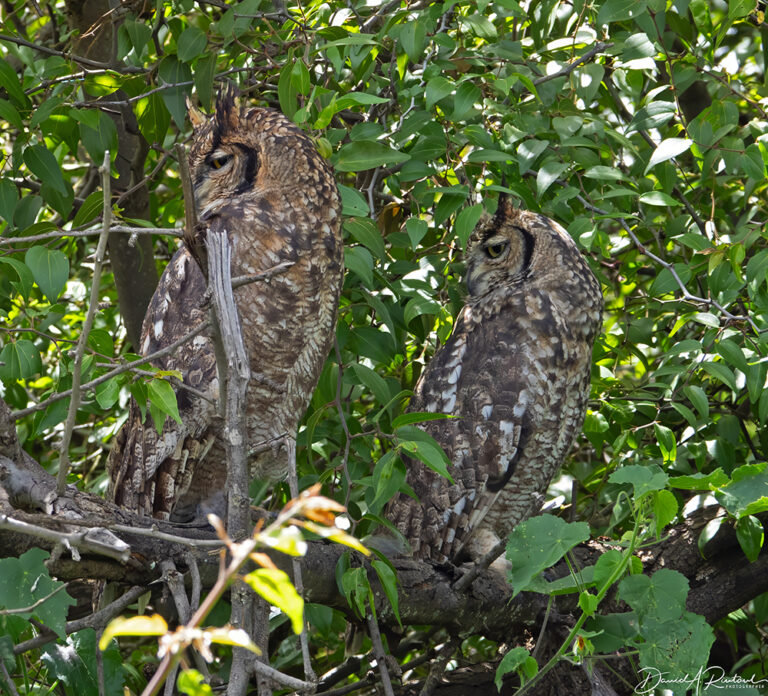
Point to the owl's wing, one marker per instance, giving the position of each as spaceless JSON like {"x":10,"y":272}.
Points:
{"x":150,"y":472}
{"x":473,"y":378}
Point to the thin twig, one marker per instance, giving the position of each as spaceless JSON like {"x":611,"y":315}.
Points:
{"x":480,"y":566}
{"x":568,"y":69}
{"x":61,"y":234}
{"x":239,"y":281}
{"x":93,"y":303}
{"x":73,"y":541}
{"x":293,"y":485}
{"x":113,"y":373}
{"x":378,"y":651}
{"x":155,"y":533}
{"x":7,"y":679}
{"x":71,"y":56}
{"x":31,"y":607}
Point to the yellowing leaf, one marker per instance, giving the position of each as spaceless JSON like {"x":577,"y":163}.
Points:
{"x":275,"y":586}
{"x":154,"y":625}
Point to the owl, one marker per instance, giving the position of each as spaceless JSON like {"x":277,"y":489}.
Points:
{"x":515,"y":378}
{"x":259,"y":177}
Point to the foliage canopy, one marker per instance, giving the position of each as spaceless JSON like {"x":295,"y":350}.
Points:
{"x":639,"y":125}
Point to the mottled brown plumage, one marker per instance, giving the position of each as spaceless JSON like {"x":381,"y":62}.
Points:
{"x":515,"y":373}
{"x":261,"y":178}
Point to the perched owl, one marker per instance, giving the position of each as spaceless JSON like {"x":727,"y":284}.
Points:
{"x":515,"y":375}
{"x":259,"y":177}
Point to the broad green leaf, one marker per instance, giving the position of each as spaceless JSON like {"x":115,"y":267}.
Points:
{"x":416,"y":229}
{"x":288,"y":540}
{"x":24,"y":275}
{"x":359,"y":260}
{"x":548,"y":173}
{"x":388,"y":476}
{"x":9,"y":197}
{"x":667,"y":149}
{"x":662,"y":594}
{"x":516,"y":660}
{"x":75,"y":664}
{"x":98,"y":140}
{"x":44,"y":166}
{"x":388,"y":580}
{"x":9,"y":81}
{"x":191,"y":44}
{"x":19,"y":360}
{"x":90,"y":209}
{"x":153,"y":117}
{"x":410,"y":418}
{"x":417,"y":306}
{"x":644,"y":479}
{"x":176,"y":78}
{"x":24,"y":581}
{"x":653,"y":115}
{"x":50,"y":269}
{"x":747,"y":494}
{"x":192,"y":683}
{"x":430,"y":454}
{"x":700,"y":482}
{"x":658,"y":198}
{"x":366,"y":231}
{"x":438,"y":88}
{"x":539,"y":543}
{"x":606,"y":566}
{"x":750,"y":534}
{"x":619,"y":10}
{"x":664,"y":509}
{"x":357,"y":590}
{"x":360,"y":155}
{"x":276,"y":588}
{"x":161,"y":395}
{"x":466,"y":221}
{"x":205,"y":69}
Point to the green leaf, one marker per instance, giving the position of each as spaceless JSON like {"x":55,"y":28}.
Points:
{"x":388,"y":580}
{"x":662,"y":594}
{"x":205,"y":70}
{"x":700,"y":482}
{"x":192,"y":683}
{"x":90,"y":209}
{"x":10,"y":82}
{"x":413,"y":39}
{"x":154,"y":625}
{"x":750,"y":534}
{"x":539,"y":543}
{"x":419,"y":305}
{"x":50,"y":269}
{"x":25,"y":278}
{"x":721,"y":372}
{"x":366,"y":231}
{"x":438,"y":88}
{"x":667,"y":149}
{"x":411,"y":418}
{"x":360,"y":155}
{"x":9,"y":197}
{"x":388,"y":476}
{"x":25,"y":580}
{"x":466,"y":221}
{"x":175,"y":75}
{"x":548,"y":173}
{"x":653,"y":115}
{"x":667,"y":443}
{"x":658,"y":198}
{"x":620,"y":10}
{"x":100,"y":139}
{"x":747,"y":494}
{"x":357,"y":590}
{"x":275,"y":586}
{"x":416,"y":229}
{"x":664,"y":509}
{"x":516,"y":660}
{"x":605,"y":567}
{"x":153,"y":118}
{"x":161,"y":395}
{"x":44,"y":166}
{"x":644,"y":479}
{"x":19,"y":360}
{"x":287,"y":92}
{"x":359,"y":260}
{"x":75,"y":664}
{"x":191,"y":44}
{"x":431,"y":454}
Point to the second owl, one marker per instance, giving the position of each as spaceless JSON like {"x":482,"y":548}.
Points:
{"x":515,"y":373}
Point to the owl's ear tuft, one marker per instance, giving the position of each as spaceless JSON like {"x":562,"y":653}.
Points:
{"x":196,"y":116}
{"x":228,"y":108}
{"x":506,"y":207}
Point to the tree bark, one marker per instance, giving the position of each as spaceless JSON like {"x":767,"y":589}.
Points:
{"x":133,"y":264}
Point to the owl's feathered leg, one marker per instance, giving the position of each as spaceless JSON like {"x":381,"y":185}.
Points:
{"x":293,"y":485}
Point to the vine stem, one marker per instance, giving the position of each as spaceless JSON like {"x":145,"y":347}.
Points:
{"x":618,"y":571}
{"x":93,"y":303}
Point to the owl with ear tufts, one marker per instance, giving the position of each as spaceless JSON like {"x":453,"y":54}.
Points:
{"x":259,"y":177}
{"x":515,"y":375}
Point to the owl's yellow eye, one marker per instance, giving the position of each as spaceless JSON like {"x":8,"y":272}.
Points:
{"x":219,"y":162}
{"x":495,"y":250}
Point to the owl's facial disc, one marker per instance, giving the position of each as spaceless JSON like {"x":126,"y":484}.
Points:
{"x":501,"y":257}
{"x":229,"y":166}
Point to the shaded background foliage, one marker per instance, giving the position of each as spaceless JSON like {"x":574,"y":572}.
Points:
{"x":639,"y":125}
